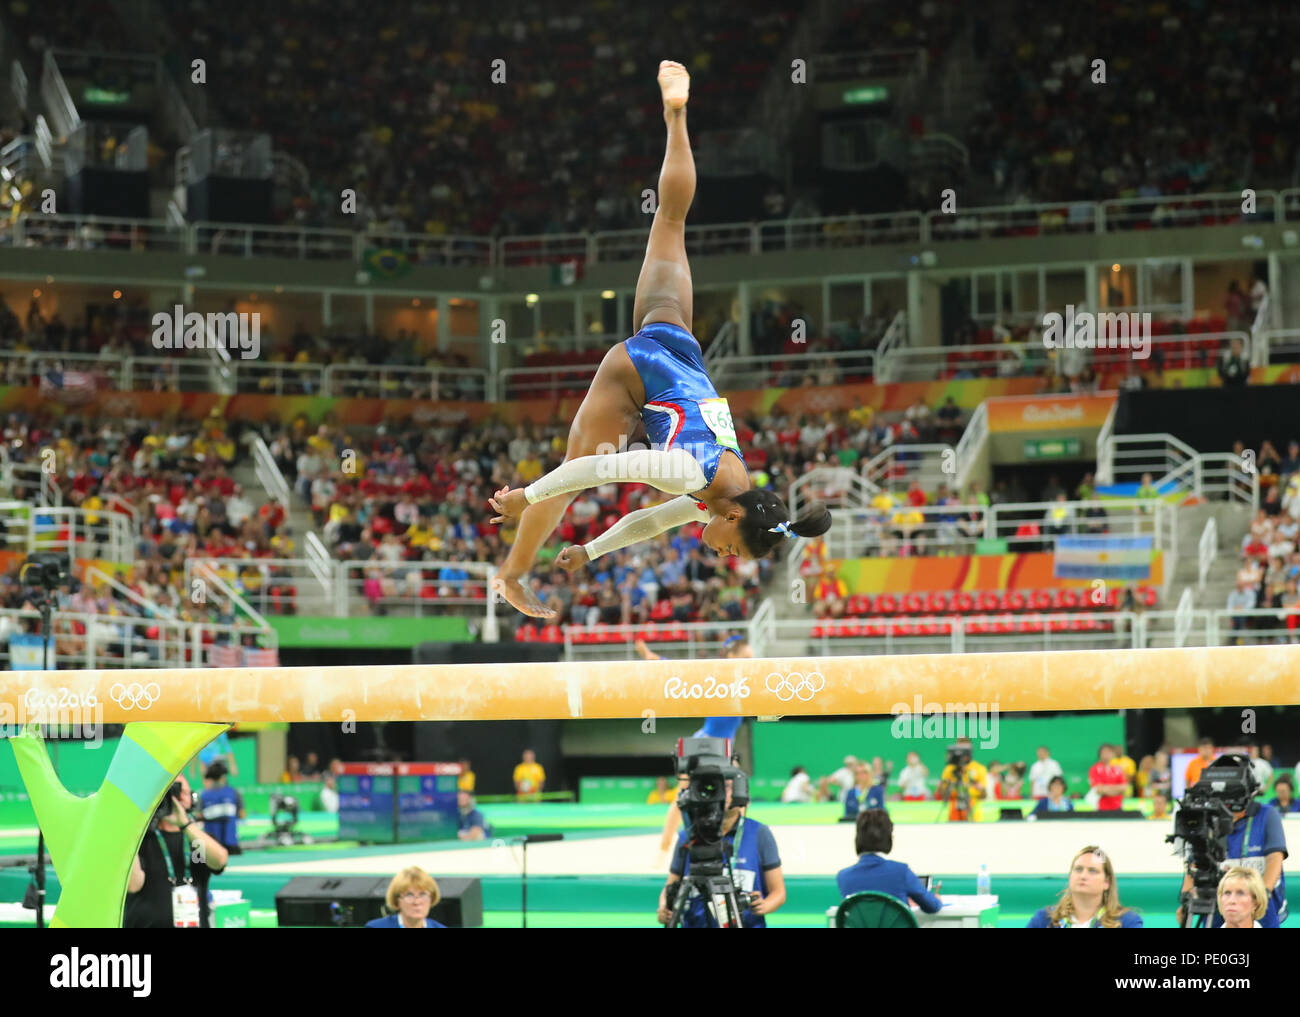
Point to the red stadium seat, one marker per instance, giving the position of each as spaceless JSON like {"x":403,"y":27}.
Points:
{"x":1030,"y":626}
{"x":899,"y":627}
{"x":1058,"y":625}
{"x":913,"y":603}
{"x":938,"y":602}
{"x":818,"y":631}
{"x":886,"y":603}
{"x":1013,"y":600}
{"x":963,"y":602}
{"x":552,"y":634}
{"x":859,"y":604}
{"x":1065,"y":600}
{"x":1146,"y":596}
{"x":988,"y":601}
{"x":1041,"y":600}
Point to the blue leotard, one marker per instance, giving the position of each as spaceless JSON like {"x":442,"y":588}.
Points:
{"x":682,"y":408}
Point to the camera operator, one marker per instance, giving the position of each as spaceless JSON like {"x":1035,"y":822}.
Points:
{"x":1256,"y":841}
{"x":962,"y":783}
{"x":754,"y":859}
{"x":175,"y":862}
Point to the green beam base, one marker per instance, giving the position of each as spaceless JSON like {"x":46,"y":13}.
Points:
{"x":93,"y":840}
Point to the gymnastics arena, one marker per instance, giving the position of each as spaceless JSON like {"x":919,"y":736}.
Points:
{"x":768,"y":465}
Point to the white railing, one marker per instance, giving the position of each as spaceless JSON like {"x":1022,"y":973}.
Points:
{"x":789,"y":371}
{"x":1260,"y":625}
{"x":1012,"y":220}
{"x":276,"y":379}
{"x":404,"y":382}
{"x":908,"y":227}
{"x":1183,"y":617}
{"x":90,"y":641}
{"x":681,"y":640}
{"x":1176,"y":467}
{"x":318,"y":562}
{"x":58,"y":101}
{"x":78,"y":533}
{"x":272,"y":586}
{"x":268,"y":473}
{"x":895,"y":468}
{"x":413,"y":587}
{"x":894,"y":337}
{"x":837,"y":486}
{"x":970,"y":446}
{"x":925,"y":363}
{"x":1105,"y":453}
{"x":1024,"y":527}
{"x":205,"y":570}
{"x":151,"y":609}
{"x":1207,"y":551}
{"x":95,"y":233}
{"x":1216,"y":209}
{"x":536,"y":382}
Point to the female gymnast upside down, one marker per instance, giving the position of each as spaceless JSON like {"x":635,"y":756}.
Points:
{"x":656,"y":377}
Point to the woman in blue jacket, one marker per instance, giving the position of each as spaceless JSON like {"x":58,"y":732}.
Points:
{"x":875,"y":839}
{"x":411,"y":896}
{"x":1091,"y":900}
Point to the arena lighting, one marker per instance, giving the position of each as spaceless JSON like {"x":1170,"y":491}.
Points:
{"x":531,"y":299}
{"x":117,"y":294}
{"x":1114,"y":268}
{"x":36,"y":293}
{"x":607,"y":294}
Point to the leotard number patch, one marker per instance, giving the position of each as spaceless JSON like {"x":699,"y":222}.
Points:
{"x":717,"y":414}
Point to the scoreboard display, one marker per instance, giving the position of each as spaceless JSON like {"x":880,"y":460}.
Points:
{"x":388,"y":803}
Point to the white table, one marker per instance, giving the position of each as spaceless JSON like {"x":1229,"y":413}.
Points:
{"x":960,"y":911}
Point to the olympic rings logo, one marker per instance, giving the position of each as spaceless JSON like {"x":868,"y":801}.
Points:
{"x":128,"y":697}
{"x":787,"y":686}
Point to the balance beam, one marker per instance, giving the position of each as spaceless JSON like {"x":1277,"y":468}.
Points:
{"x":787,"y":686}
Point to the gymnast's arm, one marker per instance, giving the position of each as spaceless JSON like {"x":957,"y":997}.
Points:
{"x":646,"y":523}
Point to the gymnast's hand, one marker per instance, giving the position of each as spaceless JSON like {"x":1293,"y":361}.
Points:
{"x":510,"y":504}
{"x":572,"y":558}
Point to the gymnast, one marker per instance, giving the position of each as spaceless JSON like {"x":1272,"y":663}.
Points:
{"x":657,"y":378}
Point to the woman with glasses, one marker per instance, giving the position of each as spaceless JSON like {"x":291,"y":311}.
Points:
{"x":411,"y":895}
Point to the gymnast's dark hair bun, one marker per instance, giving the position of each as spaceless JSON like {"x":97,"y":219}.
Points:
{"x":764,"y":511}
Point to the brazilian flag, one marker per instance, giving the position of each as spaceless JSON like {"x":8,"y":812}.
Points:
{"x":386,"y":263}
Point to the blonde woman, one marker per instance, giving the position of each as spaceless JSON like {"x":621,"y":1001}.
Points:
{"x":1243,"y":899}
{"x":1091,"y":900}
{"x":411,"y":896}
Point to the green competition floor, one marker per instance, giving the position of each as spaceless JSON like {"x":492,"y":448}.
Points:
{"x":588,"y":901}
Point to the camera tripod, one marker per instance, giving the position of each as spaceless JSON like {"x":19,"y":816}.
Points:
{"x":709,"y":875}
{"x":962,"y":794}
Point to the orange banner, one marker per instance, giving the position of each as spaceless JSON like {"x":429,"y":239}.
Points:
{"x":966,"y":572}
{"x":1010,"y":414}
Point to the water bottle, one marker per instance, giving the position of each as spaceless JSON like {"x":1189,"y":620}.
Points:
{"x":983,"y":885}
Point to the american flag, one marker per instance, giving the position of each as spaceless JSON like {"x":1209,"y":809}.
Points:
{"x":225,"y":656}
{"x":69,"y":387}
{"x":261,"y":658}
{"x":242,"y":656}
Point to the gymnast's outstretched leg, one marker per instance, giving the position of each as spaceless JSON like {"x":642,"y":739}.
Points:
{"x":611,"y":410}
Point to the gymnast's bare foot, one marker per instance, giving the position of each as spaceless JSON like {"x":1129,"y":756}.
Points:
{"x":521,"y":597}
{"x":675,"y":83}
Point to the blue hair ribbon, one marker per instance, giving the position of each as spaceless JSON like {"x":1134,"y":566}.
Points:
{"x":784,"y":528}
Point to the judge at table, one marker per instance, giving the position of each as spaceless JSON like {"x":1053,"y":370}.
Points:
{"x":874,"y":872}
